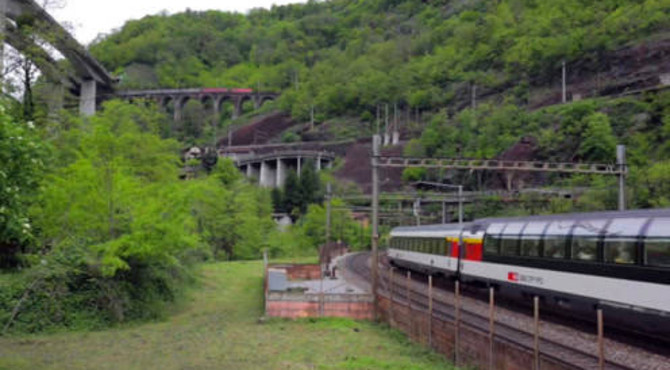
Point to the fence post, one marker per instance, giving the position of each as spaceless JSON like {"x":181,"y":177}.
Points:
{"x":457,"y":324}
{"x":491,"y":325}
{"x":410,"y":320}
{"x":430,"y":310}
{"x":409,"y":302}
{"x":536,"y":314}
{"x":601,"y":342}
{"x":391,"y":296}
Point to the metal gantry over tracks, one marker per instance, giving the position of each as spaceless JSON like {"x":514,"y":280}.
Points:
{"x":620,"y":169}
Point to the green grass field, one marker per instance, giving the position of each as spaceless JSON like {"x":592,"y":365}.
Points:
{"x":218,"y":328}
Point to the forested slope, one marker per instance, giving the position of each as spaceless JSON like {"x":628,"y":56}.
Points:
{"x":346,"y":56}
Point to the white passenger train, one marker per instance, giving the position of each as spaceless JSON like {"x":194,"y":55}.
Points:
{"x":619,"y":261}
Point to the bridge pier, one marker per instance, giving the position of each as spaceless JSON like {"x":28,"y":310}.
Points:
{"x":268,"y":178}
{"x":282,"y":170}
{"x":87,"y":98}
{"x":179,"y":104}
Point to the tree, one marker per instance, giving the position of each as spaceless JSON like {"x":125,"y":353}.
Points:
{"x":22,"y":158}
{"x":599,"y":143}
{"x":310,"y":187}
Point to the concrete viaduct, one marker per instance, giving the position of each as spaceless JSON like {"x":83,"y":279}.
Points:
{"x":87,"y":76}
{"x":271,"y":168}
{"x":215,"y":97}
{"x":88,"y":79}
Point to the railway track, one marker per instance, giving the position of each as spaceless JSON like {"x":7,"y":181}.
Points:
{"x":444,"y":309}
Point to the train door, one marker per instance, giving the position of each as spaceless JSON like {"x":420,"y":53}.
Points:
{"x":473,"y":246}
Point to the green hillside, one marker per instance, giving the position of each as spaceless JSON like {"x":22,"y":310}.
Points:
{"x":347,"y":58}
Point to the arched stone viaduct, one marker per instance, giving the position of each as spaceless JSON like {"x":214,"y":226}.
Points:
{"x":271,"y":168}
{"x":214,"y":97}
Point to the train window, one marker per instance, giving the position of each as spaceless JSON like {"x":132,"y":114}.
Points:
{"x":585,"y":248}
{"x":492,"y":238}
{"x":530,"y":240}
{"x":509,"y":243}
{"x":657,"y":243}
{"x":556,"y":238}
{"x":621,"y":239}
{"x":620,"y":250}
{"x":585,"y":235}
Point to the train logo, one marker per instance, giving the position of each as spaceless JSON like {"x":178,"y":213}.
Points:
{"x":516,"y":277}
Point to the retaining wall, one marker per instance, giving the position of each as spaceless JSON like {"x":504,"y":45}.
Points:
{"x":300,"y":271}
{"x":296,"y":305}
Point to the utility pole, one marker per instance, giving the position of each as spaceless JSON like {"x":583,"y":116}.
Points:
{"x":311,"y":117}
{"x":621,"y":163}
{"x":376,"y":144}
{"x":460,"y":204}
{"x":386,"y":124}
{"x":394,"y":132}
{"x":565,"y":93}
{"x":474,"y":96}
{"x":444,"y":212}
{"x":329,"y":195}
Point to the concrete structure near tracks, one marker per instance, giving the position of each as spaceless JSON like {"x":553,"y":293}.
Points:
{"x":272,"y":168}
{"x":299,"y":290}
{"x":208,"y":97}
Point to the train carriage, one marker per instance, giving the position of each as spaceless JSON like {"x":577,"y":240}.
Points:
{"x":619,"y":261}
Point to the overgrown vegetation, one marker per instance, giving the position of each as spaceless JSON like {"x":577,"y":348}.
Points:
{"x":217,"y":327}
{"x":104,"y":231}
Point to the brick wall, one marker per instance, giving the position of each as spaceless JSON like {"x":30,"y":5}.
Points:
{"x":473,"y":345}
{"x":291,"y":305}
{"x":300,"y":271}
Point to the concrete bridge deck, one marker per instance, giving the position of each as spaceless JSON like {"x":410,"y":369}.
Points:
{"x":272,"y":168}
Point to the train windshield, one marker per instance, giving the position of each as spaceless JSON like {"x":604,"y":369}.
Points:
{"x":657,"y":243}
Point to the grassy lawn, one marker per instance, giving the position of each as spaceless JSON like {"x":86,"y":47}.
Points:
{"x":218,"y":328}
